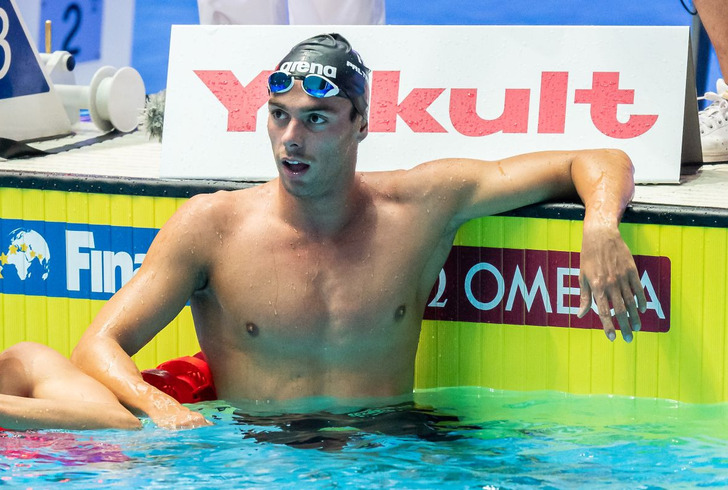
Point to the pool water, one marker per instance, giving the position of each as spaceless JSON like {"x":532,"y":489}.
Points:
{"x":450,"y":438}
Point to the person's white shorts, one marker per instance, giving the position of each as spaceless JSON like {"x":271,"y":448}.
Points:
{"x":291,"y":11}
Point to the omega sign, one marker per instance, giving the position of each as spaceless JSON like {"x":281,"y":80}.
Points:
{"x":533,"y":287}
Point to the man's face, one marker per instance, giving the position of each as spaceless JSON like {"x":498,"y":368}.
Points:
{"x":314,"y":141}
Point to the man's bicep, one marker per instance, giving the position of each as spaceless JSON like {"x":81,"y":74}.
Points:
{"x":172,"y":270}
{"x":141,"y":309}
{"x":499,"y":186}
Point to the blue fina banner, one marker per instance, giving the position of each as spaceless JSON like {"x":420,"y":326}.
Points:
{"x":43,"y":258}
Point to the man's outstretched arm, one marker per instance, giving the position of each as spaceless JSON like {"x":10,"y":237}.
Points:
{"x":603,"y":179}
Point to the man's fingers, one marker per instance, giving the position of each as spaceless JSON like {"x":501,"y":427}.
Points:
{"x":626,"y":296}
{"x":183,"y":420}
{"x":605,"y":316}
{"x":634,"y":317}
{"x":639,"y":291}
{"x":620,"y":313}
{"x":586,"y":297}
{"x":192,"y":421}
{"x":631,"y":306}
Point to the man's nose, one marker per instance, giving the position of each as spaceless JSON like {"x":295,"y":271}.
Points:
{"x":294,"y":134}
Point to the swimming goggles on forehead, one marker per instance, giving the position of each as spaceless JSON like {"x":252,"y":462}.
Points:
{"x":314,"y":85}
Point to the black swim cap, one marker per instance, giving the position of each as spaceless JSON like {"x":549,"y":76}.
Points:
{"x":331,"y":55}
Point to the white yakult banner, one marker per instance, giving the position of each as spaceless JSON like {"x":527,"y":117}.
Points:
{"x":483,"y":92}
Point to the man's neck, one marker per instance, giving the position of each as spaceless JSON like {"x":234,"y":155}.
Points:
{"x":324,"y":215}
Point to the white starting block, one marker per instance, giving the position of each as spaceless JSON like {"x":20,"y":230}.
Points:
{"x":38,"y":94}
{"x":29,"y":105}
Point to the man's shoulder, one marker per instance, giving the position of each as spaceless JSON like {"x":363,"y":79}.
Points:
{"x":412,"y":182}
{"x":223,"y":196}
{"x":220,"y":210}
{"x":222,"y":202}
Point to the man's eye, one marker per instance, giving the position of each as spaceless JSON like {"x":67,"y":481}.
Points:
{"x":316,"y":119}
{"x":277,"y":114}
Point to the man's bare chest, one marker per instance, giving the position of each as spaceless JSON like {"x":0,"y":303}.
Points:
{"x":314,"y":287}
{"x":322,"y":308}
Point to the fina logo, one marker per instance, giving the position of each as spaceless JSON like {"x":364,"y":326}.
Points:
{"x":89,"y":261}
{"x":24,"y":256}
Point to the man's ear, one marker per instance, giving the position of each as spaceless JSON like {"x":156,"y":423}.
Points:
{"x":363,"y":130}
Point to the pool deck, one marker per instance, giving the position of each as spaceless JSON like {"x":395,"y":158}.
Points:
{"x":134,"y":157}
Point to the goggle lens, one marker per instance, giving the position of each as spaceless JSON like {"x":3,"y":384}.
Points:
{"x":279,"y":82}
{"x":319,"y":87}
{"x":314,"y":85}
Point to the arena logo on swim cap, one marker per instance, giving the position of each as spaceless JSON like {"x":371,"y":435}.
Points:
{"x":306,"y":67}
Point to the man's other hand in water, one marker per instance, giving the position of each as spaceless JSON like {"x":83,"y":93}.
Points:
{"x":179,"y":418}
{"x":168,"y":413}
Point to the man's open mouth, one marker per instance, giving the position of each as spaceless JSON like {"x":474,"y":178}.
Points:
{"x":295,"y":166}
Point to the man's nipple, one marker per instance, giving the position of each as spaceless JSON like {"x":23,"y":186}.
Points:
{"x":252,"y":329}
{"x":399,"y":314}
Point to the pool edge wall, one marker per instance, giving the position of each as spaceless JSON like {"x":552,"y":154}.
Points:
{"x":685,"y":362}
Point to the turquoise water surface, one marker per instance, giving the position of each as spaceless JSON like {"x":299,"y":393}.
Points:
{"x":451,"y":438}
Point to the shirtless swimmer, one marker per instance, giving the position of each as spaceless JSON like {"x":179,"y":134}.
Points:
{"x":318,"y":279}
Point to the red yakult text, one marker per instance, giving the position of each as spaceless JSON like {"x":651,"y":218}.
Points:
{"x":389,"y":106}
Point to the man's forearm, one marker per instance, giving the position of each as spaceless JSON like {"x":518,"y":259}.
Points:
{"x":604,"y":180}
{"x":105,"y":360}
{"x":608,"y":276}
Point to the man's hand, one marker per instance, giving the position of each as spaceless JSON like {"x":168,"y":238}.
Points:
{"x":180,"y":418}
{"x":168,"y":414}
{"x":608,"y":273}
